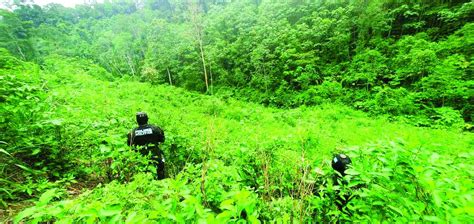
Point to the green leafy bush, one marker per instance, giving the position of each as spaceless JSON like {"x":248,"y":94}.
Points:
{"x":32,"y":149}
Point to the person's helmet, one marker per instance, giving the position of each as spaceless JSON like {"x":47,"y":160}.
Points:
{"x":142,"y":118}
{"x":340,"y":163}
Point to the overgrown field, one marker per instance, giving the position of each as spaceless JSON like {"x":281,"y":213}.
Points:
{"x":63,"y":133}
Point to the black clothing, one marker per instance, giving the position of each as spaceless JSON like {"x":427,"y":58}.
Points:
{"x":340,"y":163}
{"x":342,"y":193}
{"x":146,"y":134}
{"x":146,"y":139}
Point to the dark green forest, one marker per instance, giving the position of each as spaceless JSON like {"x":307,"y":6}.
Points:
{"x":254,"y":96}
{"x":385,"y":57}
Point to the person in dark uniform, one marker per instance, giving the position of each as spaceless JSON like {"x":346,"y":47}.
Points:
{"x":146,"y":139}
{"x":340,"y":163}
{"x":340,"y":194}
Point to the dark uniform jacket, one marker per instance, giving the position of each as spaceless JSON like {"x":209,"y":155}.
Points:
{"x":145,"y":134}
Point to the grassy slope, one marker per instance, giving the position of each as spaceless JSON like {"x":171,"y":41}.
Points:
{"x":237,"y":138}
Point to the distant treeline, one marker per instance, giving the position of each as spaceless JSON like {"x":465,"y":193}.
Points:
{"x":397,"y":57}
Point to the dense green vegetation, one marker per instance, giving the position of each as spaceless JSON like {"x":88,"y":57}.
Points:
{"x":286,"y":85}
{"x":411,"y":173}
{"x":397,"y":57}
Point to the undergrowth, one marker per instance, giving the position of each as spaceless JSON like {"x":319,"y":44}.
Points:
{"x":228,"y":161}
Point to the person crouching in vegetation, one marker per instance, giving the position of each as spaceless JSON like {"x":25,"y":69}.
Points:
{"x":332,"y":187}
{"x":340,"y":163}
{"x":146,"y":139}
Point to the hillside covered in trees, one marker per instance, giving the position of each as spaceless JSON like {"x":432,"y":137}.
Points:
{"x":254,"y":96}
{"x":381,"y":56}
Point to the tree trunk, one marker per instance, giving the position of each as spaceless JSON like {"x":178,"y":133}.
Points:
{"x":210,"y":75}
{"x":21,"y":52}
{"x":114,"y":66}
{"x":203,"y":64}
{"x":198,"y":35}
{"x":169,"y":76}
{"x":130,"y":64}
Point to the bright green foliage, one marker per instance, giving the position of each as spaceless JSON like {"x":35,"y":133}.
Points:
{"x":281,"y":53}
{"x":32,"y":141}
{"x":232,"y":161}
{"x":366,"y":69}
{"x":145,"y":201}
{"x":71,"y":81}
{"x":421,"y":193}
{"x":14,"y":35}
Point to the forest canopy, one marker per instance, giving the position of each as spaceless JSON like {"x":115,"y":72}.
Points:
{"x":382,"y":56}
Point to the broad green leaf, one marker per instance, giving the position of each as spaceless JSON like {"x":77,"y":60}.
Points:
{"x":46,"y":197}
{"x":110,"y":211}
{"x":432,"y":218}
{"x":24,"y":214}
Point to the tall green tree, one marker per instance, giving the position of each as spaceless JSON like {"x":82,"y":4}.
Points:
{"x":15,"y":35}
